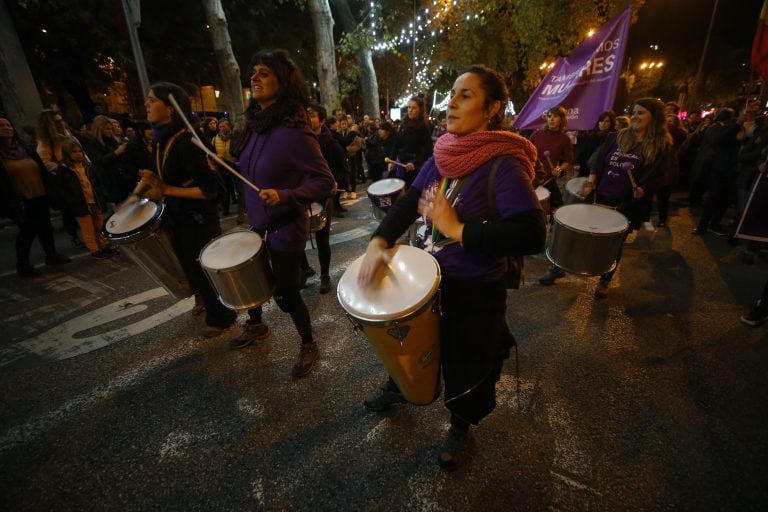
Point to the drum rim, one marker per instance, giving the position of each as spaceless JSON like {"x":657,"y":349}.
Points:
{"x":406,"y":314}
{"x":613,"y":233}
{"x":238,"y":265}
{"x":570,"y":270}
{"x":132,"y":236}
{"x":383,"y":194}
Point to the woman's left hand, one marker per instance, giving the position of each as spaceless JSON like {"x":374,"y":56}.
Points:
{"x":638,"y":192}
{"x":410,"y":167}
{"x":270,"y":196}
{"x":156,"y":184}
{"x":434,"y":205}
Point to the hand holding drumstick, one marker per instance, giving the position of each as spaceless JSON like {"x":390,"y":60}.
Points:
{"x":637,"y":192}
{"x":408,"y":167}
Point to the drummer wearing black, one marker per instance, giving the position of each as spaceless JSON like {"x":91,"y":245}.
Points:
{"x":182,"y":179}
{"x":469,"y":237}
{"x":630,"y":166}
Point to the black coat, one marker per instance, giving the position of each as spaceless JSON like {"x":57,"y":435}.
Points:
{"x":70,"y":193}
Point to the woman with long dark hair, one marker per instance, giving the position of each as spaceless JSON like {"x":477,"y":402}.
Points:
{"x":279,"y":153}
{"x":413,"y":143}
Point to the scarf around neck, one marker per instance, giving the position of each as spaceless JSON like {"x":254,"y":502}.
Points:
{"x":456,"y":157}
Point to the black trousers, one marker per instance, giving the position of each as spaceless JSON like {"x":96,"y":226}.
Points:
{"x":36,"y":223}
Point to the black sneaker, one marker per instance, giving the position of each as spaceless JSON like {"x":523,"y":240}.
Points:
{"x":308,"y":354}
{"x":551,"y":276}
{"x":601,"y":291}
{"x":306,"y":274}
{"x":248,"y":334}
{"x":756,"y":317}
{"x":325,"y":284}
{"x":99,"y":254}
{"x":110,"y":251}
{"x":76,"y":242}
{"x":449,"y":457}
{"x":384,"y":400}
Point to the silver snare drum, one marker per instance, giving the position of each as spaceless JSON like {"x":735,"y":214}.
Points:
{"x":138,"y":230}
{"x":573,"y":191}
{"x":383,"y":194}
{"x":586,"y":239}
{"x":542,"y":194}
{"x":237,"y":267}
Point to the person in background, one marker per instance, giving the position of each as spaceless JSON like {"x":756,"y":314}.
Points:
{"x":229,"y":191}
{"x":137,"y":156}
{"x":588,"y":143}
{"x":334,"y":155}
{"x":24,"y":183}
{"x":279,"y":153}
{"x":106,"y":156}
{"x":679,"y":136}
{"x":51,"y":132}
{"x":759,"y":313}
{"x":413,"y":143}
{"x":78,"y":196}
{"x":379,"y":145}
{"x":472,"y":235}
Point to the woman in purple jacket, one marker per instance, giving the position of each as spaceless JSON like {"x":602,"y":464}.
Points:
{"x":279,"y":153}
{"x":471,"y":237}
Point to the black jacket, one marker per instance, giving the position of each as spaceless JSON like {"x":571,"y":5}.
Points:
{"x":70,"y":193}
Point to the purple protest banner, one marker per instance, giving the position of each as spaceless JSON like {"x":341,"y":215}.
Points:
{"x":584,"y":82}
{"x":754,"y":221}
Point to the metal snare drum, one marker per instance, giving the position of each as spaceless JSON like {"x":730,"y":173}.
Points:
{"x":138,"y":230}
{"x":237,"y":267}
{"x":383,"y":194}
{"x":542,"y":194}
{"x":573,"y":191}
{"x":586,"y":239}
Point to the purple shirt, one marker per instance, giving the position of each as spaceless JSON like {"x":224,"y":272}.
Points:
{"x":614,"y":183}
{"x":513,"y":194}
{"x":287,"y":159}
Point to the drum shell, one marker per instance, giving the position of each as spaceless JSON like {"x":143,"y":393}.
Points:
{"x":381,"y":203}
{"x":543,"y":195}
{"x":399,"y":314}
{"x":150,"y":247}
{"x":243,"y":286}
{"x":581,"y":252}
{"x":573,"y":189}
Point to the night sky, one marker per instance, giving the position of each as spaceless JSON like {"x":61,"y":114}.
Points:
{"x":679,"y":27}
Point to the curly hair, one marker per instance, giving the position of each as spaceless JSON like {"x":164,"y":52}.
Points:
{"x":293,"y":99}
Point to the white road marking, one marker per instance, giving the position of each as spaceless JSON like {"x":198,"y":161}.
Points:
{"x":61,"y":342}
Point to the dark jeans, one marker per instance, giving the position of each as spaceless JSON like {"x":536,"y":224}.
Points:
{"x":722,"y":190}
{"x":662,"y":202}
{"x":37,"y":223}
{"x":286,"y":267}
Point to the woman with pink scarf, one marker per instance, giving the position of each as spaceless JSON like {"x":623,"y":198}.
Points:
{"x":474,"y":225}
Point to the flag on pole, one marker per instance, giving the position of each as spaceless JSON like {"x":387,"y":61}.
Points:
{"x":760,"y":44}
{"x":584,"y":82}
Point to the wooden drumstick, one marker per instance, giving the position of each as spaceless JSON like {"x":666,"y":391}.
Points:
{"x":628,"y":167}
{"x":390,"y":161}
{"x":199,"y":143}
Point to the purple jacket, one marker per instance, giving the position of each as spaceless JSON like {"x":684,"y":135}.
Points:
{"x":289,"y":160}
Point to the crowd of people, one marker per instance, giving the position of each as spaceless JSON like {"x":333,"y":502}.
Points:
{"x":467,"y":173}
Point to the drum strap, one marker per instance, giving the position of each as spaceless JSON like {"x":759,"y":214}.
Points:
{"x":169,"y":143}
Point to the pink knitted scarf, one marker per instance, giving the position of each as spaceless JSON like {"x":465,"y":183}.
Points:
{"x":459,"y":156}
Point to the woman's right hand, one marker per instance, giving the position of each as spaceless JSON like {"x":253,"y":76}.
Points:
{"x":376,"y":254}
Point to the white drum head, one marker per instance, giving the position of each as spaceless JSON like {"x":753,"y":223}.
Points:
{"x":230,"y":250}
{"x":386,"y":187}
{"x":316,"y":209}
{"x":591,"y":219}
{"x":575,"y":185}
{"x":396,"y":291}
{"x":132,"y":217}
{"x":542,"y":193}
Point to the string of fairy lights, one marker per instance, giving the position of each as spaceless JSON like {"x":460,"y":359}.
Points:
{"x":427,"y":25}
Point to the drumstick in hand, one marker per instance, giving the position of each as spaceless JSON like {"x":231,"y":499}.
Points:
{"x":628,"y":166}
{"x":390,"y":161}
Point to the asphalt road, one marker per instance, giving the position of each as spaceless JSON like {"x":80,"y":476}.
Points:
{"x":653,"y":399}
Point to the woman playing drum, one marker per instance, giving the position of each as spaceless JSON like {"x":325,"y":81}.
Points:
{"x":181,"y":175}
{"x":281,"y":155}
{"x":630,"y":166}
{"x":470,"y":241}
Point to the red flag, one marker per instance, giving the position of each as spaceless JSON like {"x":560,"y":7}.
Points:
{"x":760,"y":45}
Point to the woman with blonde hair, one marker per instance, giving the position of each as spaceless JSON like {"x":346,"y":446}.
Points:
{"x":106,"y":157}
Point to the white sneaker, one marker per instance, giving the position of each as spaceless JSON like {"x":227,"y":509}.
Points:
{"x":353,"y":195}
{"x":343,"y":196}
